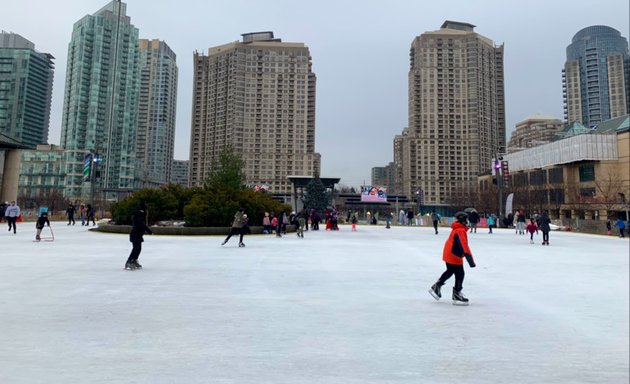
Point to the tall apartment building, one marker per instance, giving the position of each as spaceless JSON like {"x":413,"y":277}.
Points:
{"x":101,"y":101}
{"x":596,"y":76}
{"x":155,"y":138}
{"x":384,"y":177}
{"x":456,"y":112}
{"x":26,"y":79}
{"x":179,"y":173}
{"x":534,"y":131}
{"x":257,"y":95}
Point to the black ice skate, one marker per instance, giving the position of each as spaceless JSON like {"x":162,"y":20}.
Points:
{"x":137,"y":265}
{"x":459,"y":298}
{"x":241,"y":244}
{"x":130,"y":266}
{"x":436,"y":291}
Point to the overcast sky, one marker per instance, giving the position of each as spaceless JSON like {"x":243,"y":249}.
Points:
{"x":360,"y":51}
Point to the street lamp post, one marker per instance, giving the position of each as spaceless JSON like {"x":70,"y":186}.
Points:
{"x":497,"y":169}
{"x":93,"y":171}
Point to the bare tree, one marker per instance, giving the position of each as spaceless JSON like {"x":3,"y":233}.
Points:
{"x":609,"y":188}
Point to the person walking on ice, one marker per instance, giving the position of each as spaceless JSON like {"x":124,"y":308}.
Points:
{"x":42,"y":220}
{"x":455,"y":250}
{"x":138,"y":229}
{"x":237,"y":227}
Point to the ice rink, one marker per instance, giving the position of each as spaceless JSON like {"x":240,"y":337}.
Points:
{"x":334,"y":307}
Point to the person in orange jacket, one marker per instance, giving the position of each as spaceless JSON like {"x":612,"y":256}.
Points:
{"x":455,"y":250}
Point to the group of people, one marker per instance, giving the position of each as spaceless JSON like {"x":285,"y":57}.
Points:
{"x":542,"y":223}
{"x":86,"y":214}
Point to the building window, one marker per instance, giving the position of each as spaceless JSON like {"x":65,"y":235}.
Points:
{"x":587,"y":173}
{"x":556,"y":175}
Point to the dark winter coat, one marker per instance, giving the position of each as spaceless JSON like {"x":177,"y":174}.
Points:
{"x":543,"y":223}
{"x":42,"y":221}
{"x":473,"y":217}
{"x":457,"y":244}
{"x":139,"y":226}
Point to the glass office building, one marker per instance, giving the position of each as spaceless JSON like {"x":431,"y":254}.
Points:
{"x":26,"y":79}
{"x":596,"y":75}
{"x":101,"y":102}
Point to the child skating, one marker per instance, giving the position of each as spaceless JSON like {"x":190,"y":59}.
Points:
{"x":455,"y":250}
{"x":531,"y":228}
{"x":42,"y":221}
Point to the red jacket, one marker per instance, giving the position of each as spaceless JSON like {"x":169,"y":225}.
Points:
{"x":452,"y":245}
{"x":532,"y":227}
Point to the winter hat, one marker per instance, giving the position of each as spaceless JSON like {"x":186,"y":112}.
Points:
{"x":461,"y":217}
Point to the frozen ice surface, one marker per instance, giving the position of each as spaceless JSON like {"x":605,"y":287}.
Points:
{"x":334,"y":307}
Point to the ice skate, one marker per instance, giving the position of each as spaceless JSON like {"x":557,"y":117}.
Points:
{"x":241,"y":245}
{"x":436,"y":291}
{"x":137,"y":265}
{"x":531,"y":241}
{"x":459,"y":298}
{"x":224,"y":242}
{"x":130,"y":266}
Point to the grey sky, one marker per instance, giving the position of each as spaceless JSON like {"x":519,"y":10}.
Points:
{"x":360,"y":51}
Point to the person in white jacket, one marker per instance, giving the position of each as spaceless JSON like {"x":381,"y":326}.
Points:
{"x":12,"y":213}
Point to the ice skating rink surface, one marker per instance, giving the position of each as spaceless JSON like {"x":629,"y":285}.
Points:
{"x":333,"y":307}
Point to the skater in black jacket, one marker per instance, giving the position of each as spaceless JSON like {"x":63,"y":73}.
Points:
{"x":41,"y":222}
{"x":138,"y":229}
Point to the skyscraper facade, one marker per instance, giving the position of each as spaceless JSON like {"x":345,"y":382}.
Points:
{"x":257,"y":95}
{"x":456,"y":113}
{"x":26,"y":79}
{"x":155,"y":139}
{"x":101,"y":101}
{"x":596,"y":76}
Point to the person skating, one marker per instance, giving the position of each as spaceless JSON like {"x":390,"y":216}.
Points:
{"x":473,"y":219}
{"x":491,"y":223}
{"x":301,"y":220}
{"x":89,"y":212}
{"x":455,"y":250}
{"x":237,"y":227}
{"x":543,"y":225}
{"x":42,"y":221}
{"x":138,"y":229}
{"x":621,"y":225}
{"x":531,"y":228}
{"x":436,"y":219}
{"x":70,"y":213}
{"x":12,"y":213}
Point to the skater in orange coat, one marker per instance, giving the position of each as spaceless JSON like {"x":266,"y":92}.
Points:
{"x":455,"y":250}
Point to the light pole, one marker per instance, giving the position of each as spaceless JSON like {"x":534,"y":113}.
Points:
{"x":497,"y":169}
{"x":94,"y":169}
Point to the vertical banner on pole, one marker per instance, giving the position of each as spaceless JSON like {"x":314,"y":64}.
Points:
{"x":87,"y":167}
{"x":508,"y":204}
